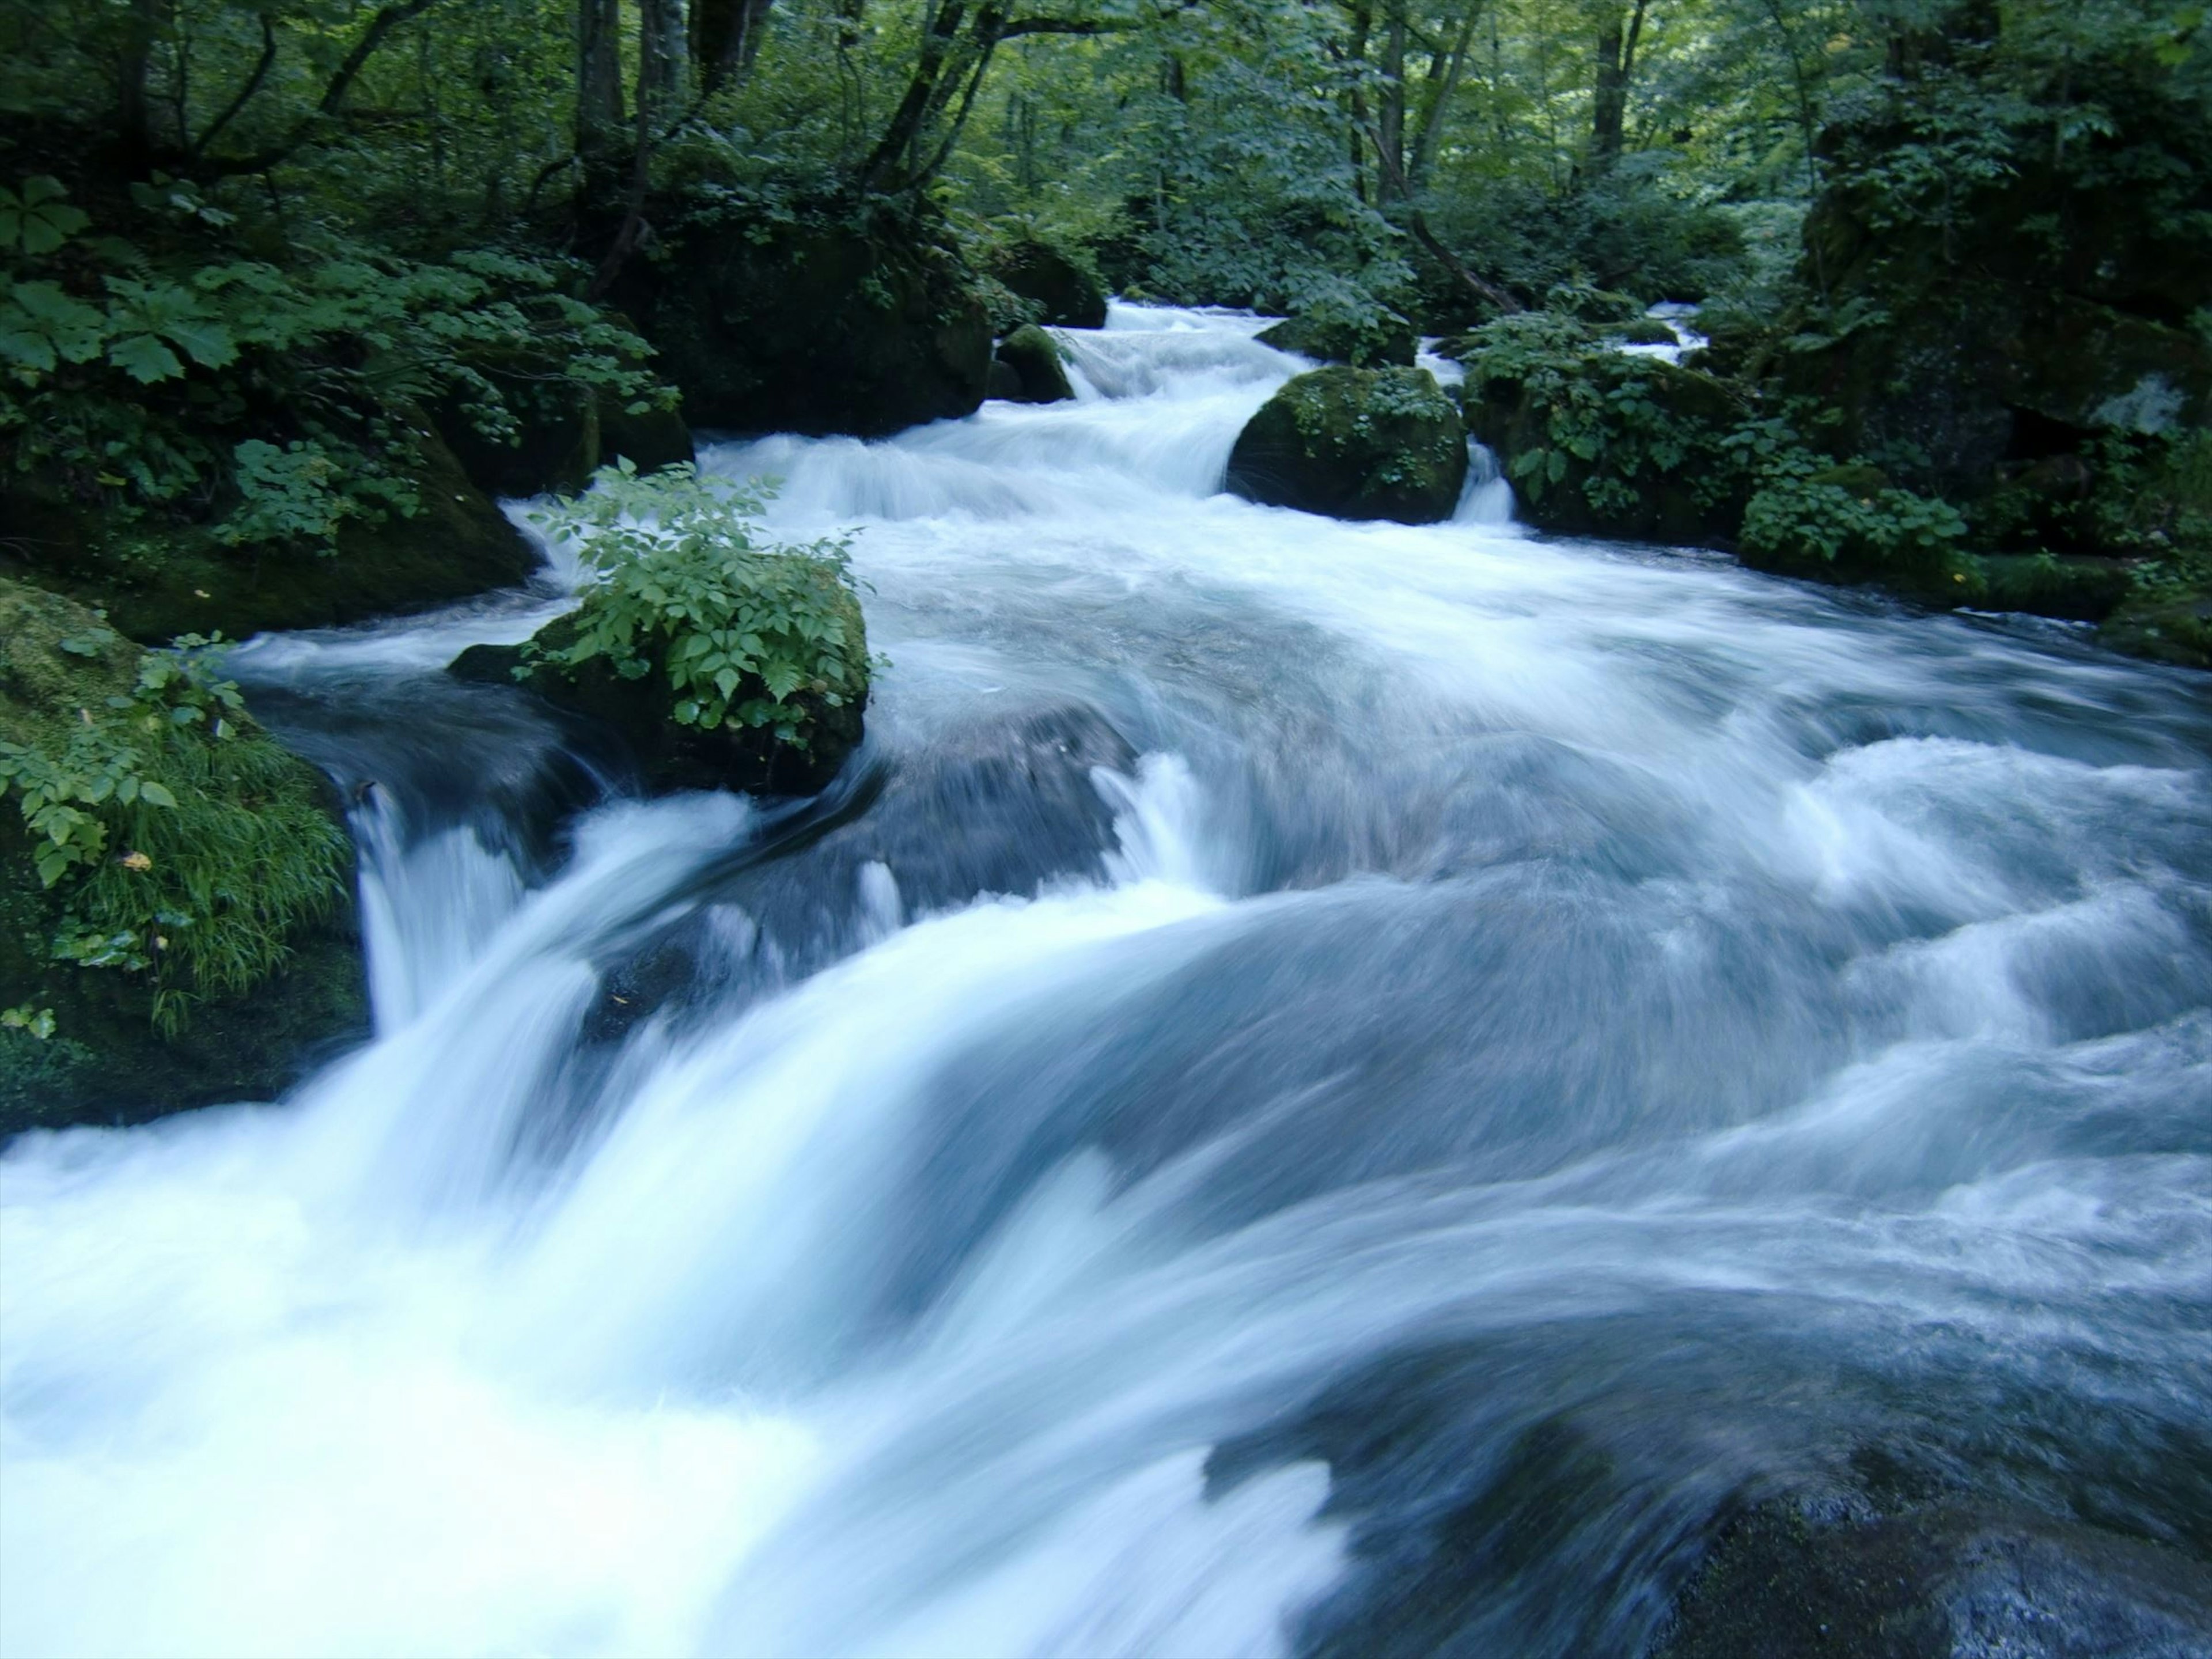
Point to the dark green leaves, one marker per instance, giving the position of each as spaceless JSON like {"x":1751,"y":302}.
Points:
{"x":35,"y":219}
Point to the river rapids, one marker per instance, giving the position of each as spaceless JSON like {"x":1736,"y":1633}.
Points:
{"x":1313,"y":1089}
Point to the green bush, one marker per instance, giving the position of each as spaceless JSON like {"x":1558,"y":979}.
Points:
{"x":747,"y":634}
{"x":170,"y":837}
{"x":170,"y":378}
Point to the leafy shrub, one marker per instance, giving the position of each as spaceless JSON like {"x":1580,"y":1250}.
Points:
{"x":744,"y":632}
{"x":287,"y":398}
{"x":175,"y":839}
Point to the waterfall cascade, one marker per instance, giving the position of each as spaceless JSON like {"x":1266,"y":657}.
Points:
{"x":1313,"y":1088}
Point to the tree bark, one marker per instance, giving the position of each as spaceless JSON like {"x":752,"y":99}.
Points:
{"x":1617,"y":40}
{"x":726,"y":37}
{"x":663,"y":56}
{"x":599,"y":75}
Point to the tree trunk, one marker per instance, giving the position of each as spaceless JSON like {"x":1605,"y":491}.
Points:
{"x":663,"y":57}
{"x":599,"y":75}
{"x":134,"y":107}
{"x":1391,"y":118}
{"x":726,"y":37}
{"x":1616,"y":64}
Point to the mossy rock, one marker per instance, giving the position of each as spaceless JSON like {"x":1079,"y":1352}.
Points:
{"x":1039,"y":375}
{"x":1648,"y":332}
{"x":2169,"y":622}
{"x":1059,"y":287}
{"x":2071,"y":589}
{"x":1355,"y":443}
{"x":670,"y":757}
{"x":1387,"y":340}
{"x":108,"y":1060}
{"x":158,"y":580}
{"x":818,"y":327}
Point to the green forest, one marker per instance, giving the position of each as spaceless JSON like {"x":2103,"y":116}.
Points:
{"x":294,"y":293}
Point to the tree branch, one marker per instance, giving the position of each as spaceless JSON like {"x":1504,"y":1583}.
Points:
{"x":387,"y":19}
{"x":245,"y":93}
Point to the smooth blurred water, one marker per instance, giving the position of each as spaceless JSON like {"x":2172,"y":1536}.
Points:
{"x":1314,"y":1087}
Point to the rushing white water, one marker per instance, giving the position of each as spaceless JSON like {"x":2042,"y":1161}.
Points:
{"x":1346,"y":1079}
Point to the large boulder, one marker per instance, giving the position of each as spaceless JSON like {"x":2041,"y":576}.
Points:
{"x":1355,"y":443}
{"x":668,"y":756}
{"x":1036,"y":373}
{"x":123,"y":1043}
{"x":157,"y":580}
{"x":1060,"y":291}
{"x":821,"y":325}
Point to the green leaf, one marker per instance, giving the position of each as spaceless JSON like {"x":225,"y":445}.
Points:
{"x":209,"y":345}
{"x":158,"y":794}
{"x":145,"y":359}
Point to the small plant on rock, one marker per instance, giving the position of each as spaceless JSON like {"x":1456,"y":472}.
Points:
{"x":747,"y":634}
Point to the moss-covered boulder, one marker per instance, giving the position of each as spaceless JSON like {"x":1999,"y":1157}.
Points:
{"x":1038,"y":375}
{"x":1354,"y":443}
{"x":841,"y":321}
{"x":199,"y":943}
{"x":1058,"y":288}
{"x":157,"y":580}
{"x":1384,"y":338}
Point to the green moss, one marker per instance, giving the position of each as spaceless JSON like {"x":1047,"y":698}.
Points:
{"x":1035,"y":359}
{"x":1355,"y":443}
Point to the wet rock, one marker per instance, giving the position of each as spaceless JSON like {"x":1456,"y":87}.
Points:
{"x":1354,"y":443}
{"x":1039,"y":375}
{"x":1647,"y":330}
{"x":1791,"y":1579}
{"x":105,"y":1059}
{"x":2072,"y":589}
{"x":1513,"y":417}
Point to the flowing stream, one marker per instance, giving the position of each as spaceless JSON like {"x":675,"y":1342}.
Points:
{"x":1314,"y":1088}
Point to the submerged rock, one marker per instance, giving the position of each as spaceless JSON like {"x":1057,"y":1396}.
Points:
{"x":1355,"y":443}
{"x":1032,"y":357}
{"x":1791,"y":1580}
